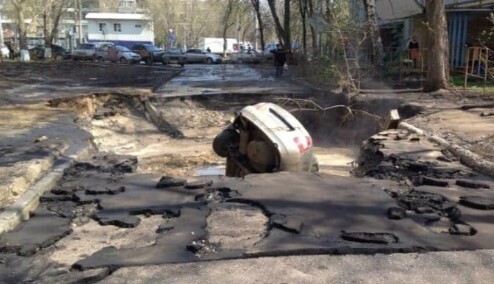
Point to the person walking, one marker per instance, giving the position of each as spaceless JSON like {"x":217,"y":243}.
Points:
{"x":279,"y":60}
{"x":413,"y":49}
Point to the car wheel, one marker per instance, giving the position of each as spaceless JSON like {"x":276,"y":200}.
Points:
{"x":100,"y":59}
{"x":123,"y":60}
{"x":223,"y":140}
{"x":59,"y":57}
{"x":182,"y":64}
{"x":149,"y":60}
{"x":209,"y":61}
{"x":164,"y":62}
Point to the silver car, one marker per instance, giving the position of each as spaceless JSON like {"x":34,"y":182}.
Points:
{"x":84,"y":51}
{"x":246,"y":56}
{"x":87,"y":51}
{"x":117,"y":54}
{"x":265,"y":138}
{"x":196,"y":55}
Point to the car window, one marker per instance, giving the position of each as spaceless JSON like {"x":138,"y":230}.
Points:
{"x":174,"y":50}
{"x":85,"y":46}
{"x":150,"y":47}
{"x":122,"y":48}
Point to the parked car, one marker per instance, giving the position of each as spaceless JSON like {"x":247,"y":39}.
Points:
{"x":57,"y":52}
{"x":196,"y":55}
{"x":149,"y":53}
{"x":5,"y":51}
{"x":174,"y":55}
{"x":117,"y":54}
{"x":246,"y":56}
{"x":265,"y":138}
{"x":87,"y":51}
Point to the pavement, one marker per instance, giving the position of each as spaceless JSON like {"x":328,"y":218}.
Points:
{"x":228,"y":79}
{"x":307,"y":214}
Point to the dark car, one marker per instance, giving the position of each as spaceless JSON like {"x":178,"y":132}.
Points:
{"x":57,"y":52}
{"x":174,"y":55}
{"x":149,"y":53}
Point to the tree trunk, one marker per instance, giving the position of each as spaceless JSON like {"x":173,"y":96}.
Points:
{"x":286,"y":26}
{"x":315,"y":49}
{"x":437,"y":52}
{"x":257,"y":8}
{"x":376,"y":51}
{"x":283,"y":32}
{"x":21,"y":25}
{"x":303,"y":15}
{"x":226,"y":23}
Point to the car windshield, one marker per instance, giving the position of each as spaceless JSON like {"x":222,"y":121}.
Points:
{"x":123,"y":49}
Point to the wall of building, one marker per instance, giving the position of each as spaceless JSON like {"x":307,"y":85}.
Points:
{"x":131,"y":31}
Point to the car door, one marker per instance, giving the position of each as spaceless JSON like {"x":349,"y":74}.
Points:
{"x":112,"y":54}
{"x":194,"y":55}
{"x":141,"y":50}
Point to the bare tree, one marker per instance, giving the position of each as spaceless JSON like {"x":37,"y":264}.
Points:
{"x":21,"y":25}
{"x":256,"y":4}
{"x":52,"y":12}
{"x":303,"y":9}
{"x":283,"y":31}
{"x":228,"y":21}
{"x":438,"y":53}
{"x":373,"y":28}
{"x":108,"y":5}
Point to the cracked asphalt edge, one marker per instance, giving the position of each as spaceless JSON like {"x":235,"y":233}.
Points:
{"x":20,"y":210}
{"x":466,"y":157}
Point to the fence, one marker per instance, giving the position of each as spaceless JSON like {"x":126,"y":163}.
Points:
{"x":478,"y":64}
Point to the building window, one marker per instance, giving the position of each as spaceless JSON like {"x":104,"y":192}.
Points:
{"x":102,"y":27}
{"x":117,"y":27}
{"x":127,"y":3}
{"x":138,"y":26}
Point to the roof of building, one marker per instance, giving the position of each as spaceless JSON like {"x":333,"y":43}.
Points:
{"x":399,"y":9}
{"x":117,"y":16}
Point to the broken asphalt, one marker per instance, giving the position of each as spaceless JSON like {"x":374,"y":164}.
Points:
{"x":413,"y":197}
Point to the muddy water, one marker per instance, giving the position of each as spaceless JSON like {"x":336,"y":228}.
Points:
{"x":336,"y":160}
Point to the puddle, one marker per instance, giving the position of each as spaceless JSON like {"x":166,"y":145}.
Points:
{"x":210,"y":171}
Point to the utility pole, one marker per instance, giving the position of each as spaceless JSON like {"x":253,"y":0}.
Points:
{"x":1,"y":25}
{"x":79,"y":8}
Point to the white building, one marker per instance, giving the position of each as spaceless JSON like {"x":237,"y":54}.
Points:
{"x":119,"y":28}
